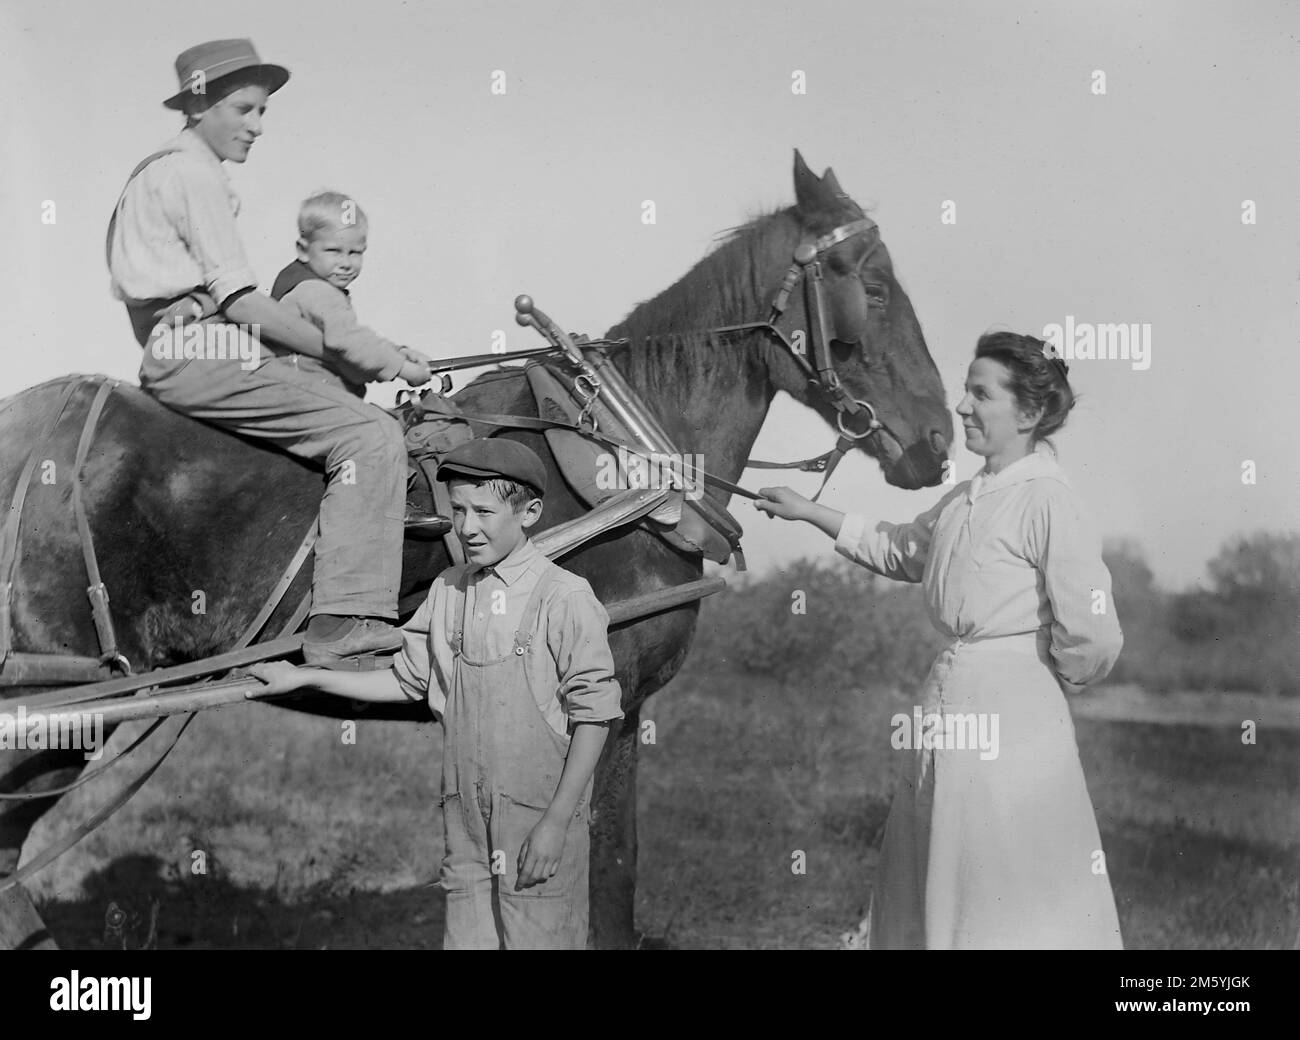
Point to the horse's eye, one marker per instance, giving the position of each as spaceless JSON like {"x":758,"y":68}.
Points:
{"x":877,"y":293}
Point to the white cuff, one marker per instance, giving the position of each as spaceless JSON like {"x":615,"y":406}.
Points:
{"x":850,"y":536}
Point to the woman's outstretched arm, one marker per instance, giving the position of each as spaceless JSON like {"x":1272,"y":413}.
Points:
{"x":897,"y":551}
{"x":790,"y":505}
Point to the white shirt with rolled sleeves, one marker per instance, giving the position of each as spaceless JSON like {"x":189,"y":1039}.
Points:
{"x":1001,"y":555}
{"x":996,"y":846}
{"x":175,"y":230}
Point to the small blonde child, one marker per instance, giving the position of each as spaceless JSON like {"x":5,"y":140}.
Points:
{"x":331,"y":248}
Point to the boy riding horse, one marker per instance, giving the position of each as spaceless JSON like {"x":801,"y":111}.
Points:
{"x":173,"y":248}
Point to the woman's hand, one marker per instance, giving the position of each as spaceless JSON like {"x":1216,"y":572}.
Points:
{"x":784,"y":503}
{"x":278,"y":676}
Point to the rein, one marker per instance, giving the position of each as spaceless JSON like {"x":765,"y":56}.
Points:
{"x":820,"y":372}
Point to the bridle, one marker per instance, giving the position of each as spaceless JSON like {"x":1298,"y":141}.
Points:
{"x":806,"y":265}
{"x":821,"y":370}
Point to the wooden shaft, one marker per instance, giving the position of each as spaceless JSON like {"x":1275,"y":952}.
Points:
{"x":214,"y":695}
{"x":662,"y":599}
{"x":186,"y":698}
{"x":618,"y":509}
{"x":159,"y":676}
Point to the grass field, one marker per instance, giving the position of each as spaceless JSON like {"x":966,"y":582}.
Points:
{"x":311,"y":843}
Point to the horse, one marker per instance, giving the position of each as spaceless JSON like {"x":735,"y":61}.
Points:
{"x":179,"y":508}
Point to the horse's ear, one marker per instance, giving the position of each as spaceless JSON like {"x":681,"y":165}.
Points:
{"x":809,"y":192}
{"x":831,"y":184}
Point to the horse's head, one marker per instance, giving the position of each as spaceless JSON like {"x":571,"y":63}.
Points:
{"x":875,"y":344}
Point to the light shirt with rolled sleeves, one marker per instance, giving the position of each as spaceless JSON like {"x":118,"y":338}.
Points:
{"x":175,"y":229}
{"x":1003,"y":554}
{"x":574,"y":683}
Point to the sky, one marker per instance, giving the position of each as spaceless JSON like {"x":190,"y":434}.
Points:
{"x":1117,"y":207}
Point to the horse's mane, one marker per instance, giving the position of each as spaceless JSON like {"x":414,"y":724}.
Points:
{"x":671,"y":352}
{"x":671,"y":345}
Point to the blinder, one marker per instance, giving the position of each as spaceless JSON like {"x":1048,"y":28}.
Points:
{"x":848,"y":311}
{"x":844,"y":322}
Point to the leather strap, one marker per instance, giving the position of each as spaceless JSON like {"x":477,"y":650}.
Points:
{"x":282,"y":586}
{"x":52,"y":852}
{"x":9,"y":540}
{"x":526,"y":422}
{"x":112,"y":223}
{"x":87,"y":775}
{"x":96,"y":591}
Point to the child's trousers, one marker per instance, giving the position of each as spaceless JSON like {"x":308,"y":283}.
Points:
{"x":484,"y":910}
{"x":307,"y":411}
{"x":501,"y":766}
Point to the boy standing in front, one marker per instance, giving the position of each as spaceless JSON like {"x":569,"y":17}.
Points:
{"x":511,"y":652}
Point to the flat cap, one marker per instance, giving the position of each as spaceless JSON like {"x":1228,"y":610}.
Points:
{"x":488,"y":457}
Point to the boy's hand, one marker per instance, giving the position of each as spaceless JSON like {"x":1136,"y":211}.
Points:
{"x":782,"y":502}
{"x":539,"y":856}
{"x":415,"y":374}
{"x":419,"y":357}
{"x":279,"y":677}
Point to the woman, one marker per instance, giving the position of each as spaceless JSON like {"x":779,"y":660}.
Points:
{"x":993,"y":843}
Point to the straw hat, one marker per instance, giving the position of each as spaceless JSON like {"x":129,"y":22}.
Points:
{"x":207,"y":64}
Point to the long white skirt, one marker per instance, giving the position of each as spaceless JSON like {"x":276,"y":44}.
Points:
{"x":993,"y":847}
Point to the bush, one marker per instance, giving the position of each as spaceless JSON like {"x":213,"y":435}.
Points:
{"x":826,"y":623}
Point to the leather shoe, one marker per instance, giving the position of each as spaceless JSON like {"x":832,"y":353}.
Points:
{"x":363,"y":636}
{"x":422,"y":524}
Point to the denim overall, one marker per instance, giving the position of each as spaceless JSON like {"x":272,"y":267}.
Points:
{"x":501,"y":766}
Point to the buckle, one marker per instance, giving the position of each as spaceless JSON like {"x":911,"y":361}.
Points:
{"x":873,"y":426}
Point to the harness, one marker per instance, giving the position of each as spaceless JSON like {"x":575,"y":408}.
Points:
{"x":807,"y":265}
{"x":19,"y":668}
{"x":42,"y":669}
{"x":45,"y":668}
{"x":587,"y":384}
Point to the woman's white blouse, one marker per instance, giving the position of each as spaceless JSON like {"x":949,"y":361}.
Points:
{"x":1004,"y":554}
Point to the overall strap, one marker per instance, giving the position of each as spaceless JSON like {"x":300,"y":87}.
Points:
{"x":523,"y":636}
{"x":528,"y":622}
{"x":458,"y":636}
{"x":112,"y":223}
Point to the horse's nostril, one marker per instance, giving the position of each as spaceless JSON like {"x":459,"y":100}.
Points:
{"x":939,"y":443}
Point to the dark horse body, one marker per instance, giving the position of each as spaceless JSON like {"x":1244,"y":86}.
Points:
{"x":177,"y":507}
